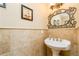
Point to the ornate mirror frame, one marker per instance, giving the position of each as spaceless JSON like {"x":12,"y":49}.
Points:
{"x":71,"y":23}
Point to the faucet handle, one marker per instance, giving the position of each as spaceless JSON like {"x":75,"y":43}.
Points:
{"x":59,"y":39}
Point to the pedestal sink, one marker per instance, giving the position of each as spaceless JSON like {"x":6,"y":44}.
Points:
{"x":57,"y":45}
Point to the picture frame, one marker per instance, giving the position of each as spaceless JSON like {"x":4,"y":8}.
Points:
{"x":26,"y":13}
{"x":3,"y":5}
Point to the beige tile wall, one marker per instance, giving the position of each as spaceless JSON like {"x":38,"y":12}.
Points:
{"x":22,"y":42}
{"x":4,"y":41}
{"x":77,"y":43}
{"x":31,"y":42}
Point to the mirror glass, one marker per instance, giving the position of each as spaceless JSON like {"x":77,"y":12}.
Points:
{"x":60,"y":19}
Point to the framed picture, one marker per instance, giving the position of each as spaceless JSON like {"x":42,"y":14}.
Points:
{"x":26,"y":13}
{"x":3,"y":5}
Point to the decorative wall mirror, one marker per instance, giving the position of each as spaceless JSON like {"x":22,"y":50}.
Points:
{"x":62,"y":18}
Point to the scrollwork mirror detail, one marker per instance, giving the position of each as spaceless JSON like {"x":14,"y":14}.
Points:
{"x":62,"y":18}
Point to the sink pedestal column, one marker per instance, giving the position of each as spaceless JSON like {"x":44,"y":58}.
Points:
{"x":55,"y":52}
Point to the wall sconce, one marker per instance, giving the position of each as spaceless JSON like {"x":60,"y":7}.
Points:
{"x":56,"y":6}
{"x":3,"y":5}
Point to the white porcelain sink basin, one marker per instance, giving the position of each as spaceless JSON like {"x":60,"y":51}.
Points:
{"x":57,"y":45}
